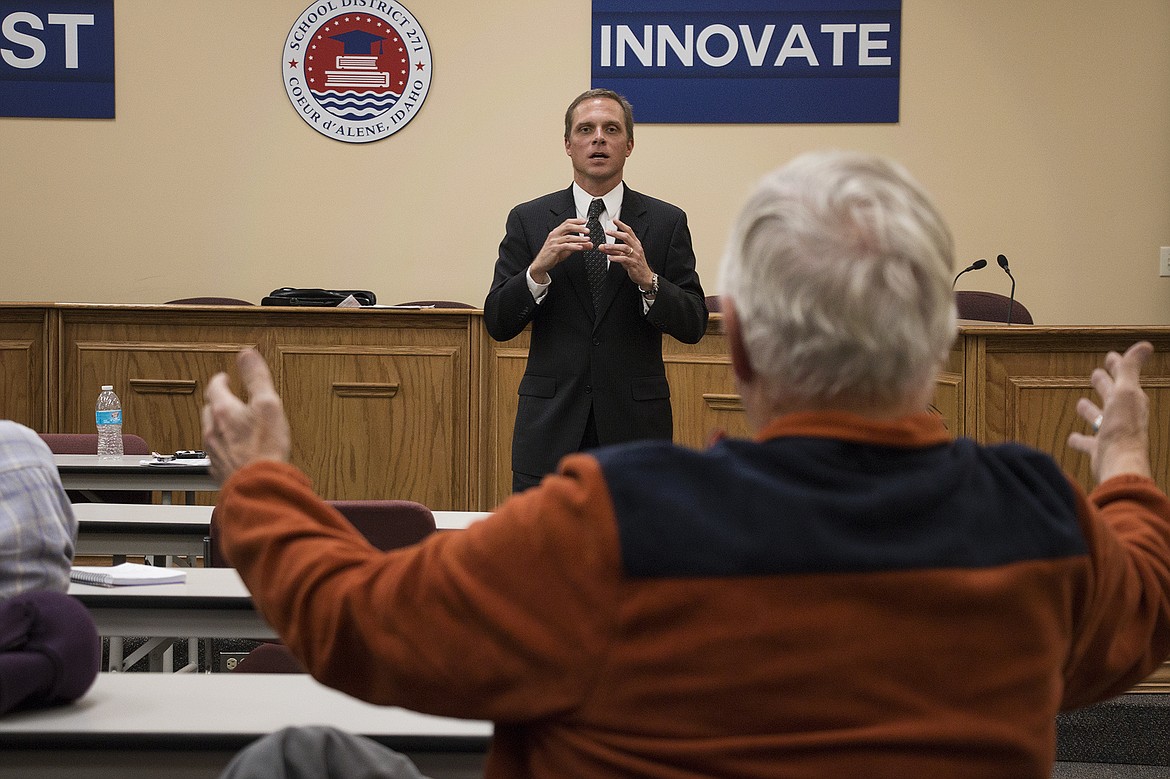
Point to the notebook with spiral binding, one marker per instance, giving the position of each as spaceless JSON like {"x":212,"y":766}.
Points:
{"x":125,"y":574}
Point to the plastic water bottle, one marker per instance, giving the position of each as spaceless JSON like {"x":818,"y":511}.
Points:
{"x":109,"y":424}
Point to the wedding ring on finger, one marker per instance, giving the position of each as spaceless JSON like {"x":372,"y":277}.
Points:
{"x":1096,"y":423}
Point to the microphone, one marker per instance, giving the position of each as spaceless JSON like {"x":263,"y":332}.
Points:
{"x":977,"y":265}
{"x":1003,"y":263}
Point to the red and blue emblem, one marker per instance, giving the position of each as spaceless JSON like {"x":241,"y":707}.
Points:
{"x":357,"y":70}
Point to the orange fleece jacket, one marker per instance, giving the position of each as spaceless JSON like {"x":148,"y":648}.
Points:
{"x":531,"y":619}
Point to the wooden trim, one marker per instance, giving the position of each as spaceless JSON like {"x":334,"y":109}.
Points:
{"x":723,"y":402}
{"x":163,"y":386}
{"x":364,"y":389}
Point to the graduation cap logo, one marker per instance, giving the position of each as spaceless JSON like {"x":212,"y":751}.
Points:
{"x":360,"y":42}
{"x":357,"y":77}
{"x":357,"y":67}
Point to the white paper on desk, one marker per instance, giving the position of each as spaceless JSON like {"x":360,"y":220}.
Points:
{"x":201,"y":463}
{"x":125,"y":574}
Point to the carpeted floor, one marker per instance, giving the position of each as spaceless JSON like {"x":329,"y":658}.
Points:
{"x":1127,"y":738}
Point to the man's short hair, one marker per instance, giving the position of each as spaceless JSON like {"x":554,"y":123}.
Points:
{"x":627,"y":109}
{"x":839,"y":268}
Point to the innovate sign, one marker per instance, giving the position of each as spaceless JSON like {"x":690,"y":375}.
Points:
{"x":751,"y":61}
{"x":57,"y":58}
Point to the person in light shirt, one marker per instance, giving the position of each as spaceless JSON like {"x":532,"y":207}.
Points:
{"x":50,"y":652}
{"x":37,"y":528}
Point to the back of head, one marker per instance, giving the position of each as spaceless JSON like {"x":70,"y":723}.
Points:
{"x":37,"y":528}
{"x":839,"y":270}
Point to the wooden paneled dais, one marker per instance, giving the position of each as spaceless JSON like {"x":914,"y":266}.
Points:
{"x":23,"y":365}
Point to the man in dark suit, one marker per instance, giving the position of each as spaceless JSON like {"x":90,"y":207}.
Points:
{"x":595,"y":373}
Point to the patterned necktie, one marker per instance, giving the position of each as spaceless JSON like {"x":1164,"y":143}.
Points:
{"x":595,"y":264}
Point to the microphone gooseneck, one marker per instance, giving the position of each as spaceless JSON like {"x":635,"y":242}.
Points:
{"x":1003,"y":263}
{"x":977,"y":265}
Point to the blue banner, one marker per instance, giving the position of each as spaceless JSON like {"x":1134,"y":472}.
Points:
{"x":57,"y":58}
{"x":751,"y":61}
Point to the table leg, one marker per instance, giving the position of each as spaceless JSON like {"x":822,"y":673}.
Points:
{"x":115,"y":661}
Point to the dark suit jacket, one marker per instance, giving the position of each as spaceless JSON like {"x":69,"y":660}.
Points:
{"x":611,"y":361}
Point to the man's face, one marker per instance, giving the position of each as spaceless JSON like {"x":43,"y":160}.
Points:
{"x":598,"y":143}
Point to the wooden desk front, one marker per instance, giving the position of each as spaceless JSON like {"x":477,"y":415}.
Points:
{"x":378,"y":399}
{"x":999,"y":383}
{"x":1022,"y":384}
{"x":419,"y":404}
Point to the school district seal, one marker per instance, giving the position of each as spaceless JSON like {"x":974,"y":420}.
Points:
{"x":357,"y":70}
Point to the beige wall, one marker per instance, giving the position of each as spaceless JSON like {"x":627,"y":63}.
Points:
{"x":1043,"y":130}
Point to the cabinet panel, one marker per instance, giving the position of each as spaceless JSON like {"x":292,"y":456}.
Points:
{"x":706,"y":402}
{"x":501,"y":367}
{"x":372,"y":422}
{"x":22,"y":393}
{"x":503,"y":401}
{"x":1029,"y":384}
{"x":23,"y":371}
{"x":703,"y":396}
{"x":160,"y":385}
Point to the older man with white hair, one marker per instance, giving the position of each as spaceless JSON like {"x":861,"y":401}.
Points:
{"x":849,"y":593}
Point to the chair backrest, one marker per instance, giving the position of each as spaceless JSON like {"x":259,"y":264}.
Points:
{"x":386,"y":524}
{"x":713,"y":304}
{"x":437,"y":304}
{"x":990,"y":307}
{"x":209,"y":301}
{"x":86,"y":443}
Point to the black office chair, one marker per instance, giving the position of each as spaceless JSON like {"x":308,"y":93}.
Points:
{"x":990,"y":307}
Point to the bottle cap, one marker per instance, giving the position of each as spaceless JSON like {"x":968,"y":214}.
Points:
{"x":107,"y":387}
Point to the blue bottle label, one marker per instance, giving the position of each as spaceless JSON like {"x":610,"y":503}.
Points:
{"x":113,"y":417}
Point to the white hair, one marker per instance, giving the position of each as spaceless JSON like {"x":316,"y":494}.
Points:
{"x":839,"y":268}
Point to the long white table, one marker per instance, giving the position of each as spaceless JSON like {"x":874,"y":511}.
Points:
{"x":87,"y":472}
{"x":141,"y":528}
{"x":458,"y":520}
{"x":211,"y":603}
{"x":190,"y":725}
{"x":173,"y":529}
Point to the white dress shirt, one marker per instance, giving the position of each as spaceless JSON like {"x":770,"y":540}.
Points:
{"x":612,"y":211}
